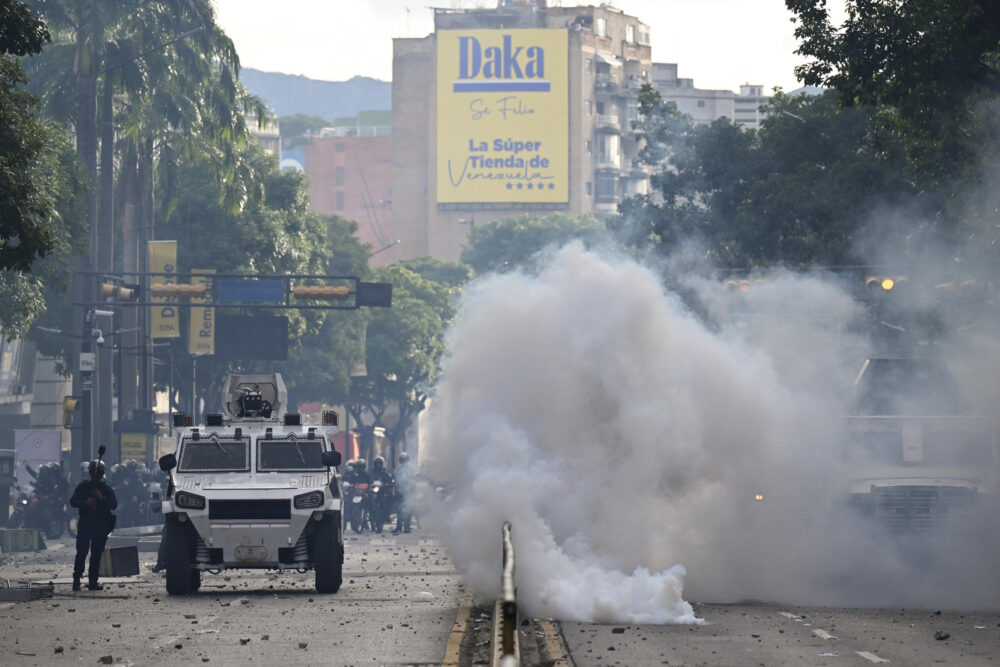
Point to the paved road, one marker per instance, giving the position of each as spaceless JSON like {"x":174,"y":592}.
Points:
{"x":403,"y":603}
{"x":397,"y":606}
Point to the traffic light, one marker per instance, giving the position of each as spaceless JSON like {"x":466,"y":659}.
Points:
{"x":113,"y":292}
{"x":70,"y":406}
{"x":177,"y":290}
{"x":742,"y":284}
{"x":321,"y":292}
{"x":885,"y":284}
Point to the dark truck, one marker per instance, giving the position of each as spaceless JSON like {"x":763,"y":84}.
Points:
{"x":915,"y":456}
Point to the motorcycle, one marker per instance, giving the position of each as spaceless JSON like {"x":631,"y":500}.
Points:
{"x":46,"y":514}
{"x":356,"y":505}
{"x":382,"y":497}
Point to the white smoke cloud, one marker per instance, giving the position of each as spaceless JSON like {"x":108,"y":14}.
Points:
{"x":626,"y":439}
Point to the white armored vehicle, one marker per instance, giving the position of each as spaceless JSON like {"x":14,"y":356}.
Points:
{"x":252,"y":488}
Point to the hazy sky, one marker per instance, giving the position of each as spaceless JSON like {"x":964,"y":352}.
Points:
{"x":719,"y":43}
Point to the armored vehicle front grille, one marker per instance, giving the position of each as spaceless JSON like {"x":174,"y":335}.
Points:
{"x":918,"y":507}
{"x":290,"y":454}
{"x":249,"y":510}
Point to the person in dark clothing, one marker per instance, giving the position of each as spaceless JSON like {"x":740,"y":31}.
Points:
{"x":95,"y":499}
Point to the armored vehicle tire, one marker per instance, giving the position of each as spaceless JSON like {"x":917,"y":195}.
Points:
{"x":178,"y":557}
{"x":195,"y":580}
{"x":329,"y":557}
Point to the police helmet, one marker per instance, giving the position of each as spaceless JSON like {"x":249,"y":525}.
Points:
{"x":96,"y":469}
{"x":378,"y":465}
{"x":131,"y":465}
{"x":404,"y":457}
{"x":361,"y":464}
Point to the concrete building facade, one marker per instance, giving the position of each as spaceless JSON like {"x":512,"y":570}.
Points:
{"x":705,"y":106}
{"x":349,"y":176}
{"x":608,"y":59}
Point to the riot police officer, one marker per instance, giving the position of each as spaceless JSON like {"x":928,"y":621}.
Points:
{"x":95,"y":499}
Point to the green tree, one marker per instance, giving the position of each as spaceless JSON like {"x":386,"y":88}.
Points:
{"x":931,"y":66}
{"x":276,"y":235}
{"x":800,"y":190}
{"x":404,"y":345}
{"x":514,"y":243}
{"x":25,"y":208}
{"x":296,"y":126}
{"x":42,"y":185}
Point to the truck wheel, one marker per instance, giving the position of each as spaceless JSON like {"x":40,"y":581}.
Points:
{"x":177,"y":553}
{"x":195,"y":579}
{"x":329,"y":557}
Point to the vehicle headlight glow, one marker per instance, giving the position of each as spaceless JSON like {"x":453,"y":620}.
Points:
{"x":189,"y":501}
{"x":307,"y":501}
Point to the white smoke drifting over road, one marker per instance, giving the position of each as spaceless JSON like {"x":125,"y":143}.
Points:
{"x":623,"y":438}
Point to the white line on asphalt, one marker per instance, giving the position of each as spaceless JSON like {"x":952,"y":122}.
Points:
{"x":791,"y":617}
{"x":871,"y":657}
{"x":823,"y":634}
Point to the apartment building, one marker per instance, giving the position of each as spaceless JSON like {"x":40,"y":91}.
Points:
{"x":521,"y":108}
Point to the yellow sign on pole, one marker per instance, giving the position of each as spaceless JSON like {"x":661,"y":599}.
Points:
{"x":502,"y":116}
{"x":201,"y":328}
{"x":164,"y":320}
{"x":134,"y":446}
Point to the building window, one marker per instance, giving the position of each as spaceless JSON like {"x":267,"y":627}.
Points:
{"x":701,"y":104}
{"x":338,"y":201}
{"x":588,"y":107}
{"x":338,"y":176}
{"x":338,"y":147}
{"x":600,"y":108}
{"x":644,"y":36}
{"x":589,"y":188}
{"x":607,"y":188}
{"x":589,"y":147}
{"x":630,"y":33}
{"x":589,"y":65}
{"x":632,"y":109}
{"x":602,"y":27}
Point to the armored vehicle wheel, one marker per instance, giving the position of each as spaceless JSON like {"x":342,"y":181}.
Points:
{"x":329,"y":557}
{"x":178,"y":557}
{"x":195,"y":580}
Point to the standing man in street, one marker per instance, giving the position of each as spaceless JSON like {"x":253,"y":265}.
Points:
{"x":95,"y":499}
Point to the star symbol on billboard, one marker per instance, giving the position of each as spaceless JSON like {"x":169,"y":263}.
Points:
{"x":531,"y":186}
{"x":552,"y":186}
{"x":510,"y":186}
{"x":520,"y":186}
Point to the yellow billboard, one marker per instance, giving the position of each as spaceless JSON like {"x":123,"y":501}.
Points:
{"x":201,"y":328}
{"x":502,"y":116}
{"x":164,"y":320}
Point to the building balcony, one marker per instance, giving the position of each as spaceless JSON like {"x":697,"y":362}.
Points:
{"x":608,"y":83}
{"x":607,"y":123}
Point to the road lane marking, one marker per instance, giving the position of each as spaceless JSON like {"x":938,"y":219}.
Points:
{"x":823,"y":634}
{"x":552,"y":645}
{"x":453,"y":650}
{"x":871,"y":657}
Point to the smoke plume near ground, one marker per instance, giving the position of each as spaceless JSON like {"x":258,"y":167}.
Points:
{"x":626,"y":441}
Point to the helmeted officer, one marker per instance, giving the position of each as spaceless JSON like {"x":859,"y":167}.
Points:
{"x":95,"y":499}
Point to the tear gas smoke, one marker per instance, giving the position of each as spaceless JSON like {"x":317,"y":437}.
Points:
{"x":626,"y":440}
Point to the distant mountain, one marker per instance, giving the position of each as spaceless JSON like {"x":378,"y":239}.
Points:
{"x":289,"y":94}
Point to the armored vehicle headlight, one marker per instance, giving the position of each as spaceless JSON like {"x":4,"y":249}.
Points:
{"x":189,"y":501}
{"x":307,"y":501}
